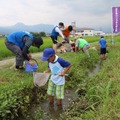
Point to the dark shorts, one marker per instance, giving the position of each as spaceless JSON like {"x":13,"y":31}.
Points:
{"x":103,"y":51}
{"x":54,"y":39}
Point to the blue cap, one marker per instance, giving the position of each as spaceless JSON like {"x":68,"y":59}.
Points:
{"x":47,"y":53}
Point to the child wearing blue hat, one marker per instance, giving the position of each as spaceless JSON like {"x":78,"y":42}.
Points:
{"x":58,"y":68}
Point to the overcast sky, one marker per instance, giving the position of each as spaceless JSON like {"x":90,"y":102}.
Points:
{"x":86,"y":13}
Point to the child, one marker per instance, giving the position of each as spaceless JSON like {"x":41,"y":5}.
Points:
{"x":102,"y":48}
{"x":66,"y":32}
{"x":58,"y":68}
{"x":82,"y":44}
{"x":55,"y":33}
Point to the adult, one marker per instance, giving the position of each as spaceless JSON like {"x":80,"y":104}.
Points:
{"x":82,"y":44}
{"x":102,"y":48}
{"x":19,"y":43}
{"x":66,"y":32}
{"x":55,"y":33}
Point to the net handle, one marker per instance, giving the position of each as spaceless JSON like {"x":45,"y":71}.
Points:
{"x":35,"y":60}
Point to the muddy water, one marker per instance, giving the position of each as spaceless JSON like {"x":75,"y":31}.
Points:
{"x":53,"y":112}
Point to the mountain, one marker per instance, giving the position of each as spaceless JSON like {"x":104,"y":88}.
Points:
{"x":30,"y":28}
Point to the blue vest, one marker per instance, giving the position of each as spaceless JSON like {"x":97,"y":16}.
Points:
{"x":54,"y":33}
{"x":16,"y":38}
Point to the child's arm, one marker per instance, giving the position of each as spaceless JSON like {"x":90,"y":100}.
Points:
{"x":60,"y":32}
{"x":65,"y":70}
{"x":99,"y":46}
{"x":77,"y":48}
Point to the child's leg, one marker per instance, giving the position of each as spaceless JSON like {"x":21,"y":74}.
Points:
{"x":104,"y":53}
{"x":50,"y":91}
{"x":51,"y":104}
{"x":101,"y":56}
{"x":59,"y":94}
{"x":54,"y":40}
{"x":85,"y":50}
{"x":55,"y":47}
{"x":51,"y":98}
{"x":59,"y":102}
{"x":104,"y":56}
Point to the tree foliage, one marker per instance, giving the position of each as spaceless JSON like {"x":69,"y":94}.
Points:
{"x":36,"y":34}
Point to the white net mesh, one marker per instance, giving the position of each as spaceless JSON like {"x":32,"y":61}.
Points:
{"x":40,"y":79}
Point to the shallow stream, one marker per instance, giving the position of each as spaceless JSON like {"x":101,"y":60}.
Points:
{"x":54,"y":112}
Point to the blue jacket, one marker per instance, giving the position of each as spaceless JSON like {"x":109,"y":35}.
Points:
{"x":16,"y":38}
{"x":54,"y":33}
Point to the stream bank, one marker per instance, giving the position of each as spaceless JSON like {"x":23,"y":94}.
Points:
{"x":42,"y":110}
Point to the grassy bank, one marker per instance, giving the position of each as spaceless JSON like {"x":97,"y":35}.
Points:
{"x":17,"y":88}
{"x":101,"y":100}
{"x":101,"y":92}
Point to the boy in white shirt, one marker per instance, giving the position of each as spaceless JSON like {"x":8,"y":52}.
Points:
{"x":58,"y":68}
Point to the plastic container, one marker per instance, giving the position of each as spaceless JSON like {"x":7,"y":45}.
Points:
{"x":31,"y":68}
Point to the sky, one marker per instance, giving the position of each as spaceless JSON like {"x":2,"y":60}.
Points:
{"x":94,"y":14}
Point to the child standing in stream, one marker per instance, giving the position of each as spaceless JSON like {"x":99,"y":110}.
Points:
{"x":102,"y":48}
{"x":58,"y":68}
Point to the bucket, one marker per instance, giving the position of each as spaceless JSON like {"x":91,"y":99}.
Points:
{"x":31,"y":68}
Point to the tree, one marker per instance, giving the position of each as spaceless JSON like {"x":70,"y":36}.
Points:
{"x":43,"y":34}
{"x":36,"y":34}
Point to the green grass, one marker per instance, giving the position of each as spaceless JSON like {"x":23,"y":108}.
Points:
{"x":100,"y":102}
{"x":102,"y":98}
{"x":5,"y":53}
{"x":13,"y":83}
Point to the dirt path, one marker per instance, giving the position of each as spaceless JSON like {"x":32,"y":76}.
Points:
{"x":11,"y":61}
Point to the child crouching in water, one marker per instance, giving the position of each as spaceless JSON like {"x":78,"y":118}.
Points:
{"x":58,"y":68}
